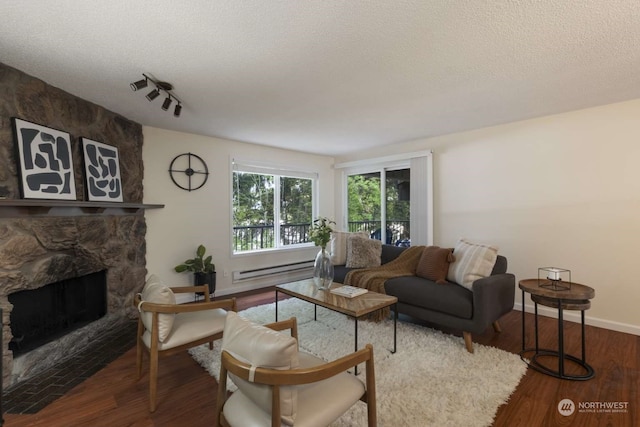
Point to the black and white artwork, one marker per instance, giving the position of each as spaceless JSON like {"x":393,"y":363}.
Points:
{"x":46,"y":166}
{"x":102,"y":170}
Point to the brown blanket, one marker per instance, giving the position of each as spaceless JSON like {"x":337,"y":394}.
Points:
{"x":373,"y":278}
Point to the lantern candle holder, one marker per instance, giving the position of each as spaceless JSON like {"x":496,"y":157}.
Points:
{"x":551,"y":278}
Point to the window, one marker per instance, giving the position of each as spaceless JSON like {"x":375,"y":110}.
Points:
{"x":272,"y":207}
{"x":390,"y":198}
{"x":367,"y":210}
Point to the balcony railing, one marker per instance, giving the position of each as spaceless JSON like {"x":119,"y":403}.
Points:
{"x":397,"y":230}
{"x":256,"y":237}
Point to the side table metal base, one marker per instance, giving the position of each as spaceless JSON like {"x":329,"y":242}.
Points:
{"x":535,"y":364}
{"x":562,"y":301}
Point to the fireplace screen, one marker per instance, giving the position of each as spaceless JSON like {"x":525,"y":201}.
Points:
{"x":47,"y":313}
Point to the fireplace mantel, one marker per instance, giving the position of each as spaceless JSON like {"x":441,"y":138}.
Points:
{"x":12,"y":208}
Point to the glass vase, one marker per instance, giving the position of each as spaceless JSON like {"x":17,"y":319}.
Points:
{"x":323,"y":270}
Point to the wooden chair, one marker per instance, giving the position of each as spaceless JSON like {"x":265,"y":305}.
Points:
{"x":165,"y":328}
{"x":293,"y":387}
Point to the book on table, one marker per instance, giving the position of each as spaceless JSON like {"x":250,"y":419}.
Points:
{"x":349,"y":291}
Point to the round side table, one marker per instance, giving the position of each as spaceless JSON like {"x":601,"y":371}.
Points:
{"x":562,"y":296}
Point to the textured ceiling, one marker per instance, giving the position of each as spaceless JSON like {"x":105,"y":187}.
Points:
{"x":331,"y":76}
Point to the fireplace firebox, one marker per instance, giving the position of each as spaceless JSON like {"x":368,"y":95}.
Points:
{"x":45,"y":314}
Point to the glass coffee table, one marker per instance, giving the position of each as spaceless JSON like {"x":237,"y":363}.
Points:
{"x":356,"y":307}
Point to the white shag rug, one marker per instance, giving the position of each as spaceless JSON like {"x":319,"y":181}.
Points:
{"x":430,"y":381}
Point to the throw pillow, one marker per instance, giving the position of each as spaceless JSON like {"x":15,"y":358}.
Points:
{"x":263,"y":347}
{"x":473,"y":261}
{"x":363,"y":252}
{"x":338,"y":246}
{"x":156,"y":292}
{"x":434,"y":263}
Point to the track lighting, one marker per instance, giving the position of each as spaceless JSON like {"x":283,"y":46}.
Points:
{"x":167,"y":102}
{"x":159,"y":87}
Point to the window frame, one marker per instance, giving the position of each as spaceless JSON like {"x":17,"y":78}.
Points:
{"x":420,"y":164}
{"x":277,"y":171}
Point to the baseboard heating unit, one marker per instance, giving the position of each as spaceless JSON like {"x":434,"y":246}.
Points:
{"x":276,"y":270}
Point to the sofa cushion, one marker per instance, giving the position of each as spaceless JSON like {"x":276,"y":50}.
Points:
{"x":434,"y":263}
{"x":473,"y":261}
{"x":363,"y":252}
{"x":501,"y":265}
{"x":340,"y":273}
{"x":156,"y":292}
{"x":390,"y":252}
{"x":446,"y":298}
{"x":338,"y":246}
{"x":260,"y":346}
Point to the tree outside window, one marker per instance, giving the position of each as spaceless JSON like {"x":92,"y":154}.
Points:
{"x":367,"y":210}
{"x":270,"y":211}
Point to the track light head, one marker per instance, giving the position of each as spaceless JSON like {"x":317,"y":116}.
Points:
{"x":140,"y":84}
{"x":177,"y":110}
{"x":153,"y":94}
{"x":167,"y":102}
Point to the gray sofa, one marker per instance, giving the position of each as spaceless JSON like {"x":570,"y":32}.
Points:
{"x":450,"y":305}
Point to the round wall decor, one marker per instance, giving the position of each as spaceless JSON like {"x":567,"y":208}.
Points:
{"x":188,"y":171}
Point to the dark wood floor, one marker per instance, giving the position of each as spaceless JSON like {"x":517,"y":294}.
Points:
{"x":186,"y":394}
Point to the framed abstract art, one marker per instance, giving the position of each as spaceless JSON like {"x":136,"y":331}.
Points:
{"x":102,"y":171}
{"x":45,"y":162}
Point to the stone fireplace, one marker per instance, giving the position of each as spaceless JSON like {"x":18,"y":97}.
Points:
{"x":42,"y":242}
{"x":42,"y":315}
{"x":38,"y":251}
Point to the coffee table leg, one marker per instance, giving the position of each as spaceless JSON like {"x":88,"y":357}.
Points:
{"x":395,"y":326}
{"x":276,"y":304}
{"x":356,"y":341}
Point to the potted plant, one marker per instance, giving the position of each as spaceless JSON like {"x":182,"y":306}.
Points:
{"x":320,"y":235}
{"x":204,"y":270}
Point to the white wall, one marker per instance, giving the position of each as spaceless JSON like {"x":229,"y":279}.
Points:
{"x":561,"y":191}
{"x":204,"y":216}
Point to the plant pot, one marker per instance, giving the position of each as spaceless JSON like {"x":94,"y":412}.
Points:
{"x":205,"y":278}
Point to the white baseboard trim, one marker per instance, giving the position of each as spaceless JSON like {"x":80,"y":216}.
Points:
{"x":574,"y":316}
{"x":264,"y":282}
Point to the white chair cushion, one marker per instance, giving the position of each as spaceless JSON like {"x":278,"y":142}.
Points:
{"x":319,"y":404}
{"x":191,"y":326}
{"x":260,"y":346}
{"x":155,"y":291}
